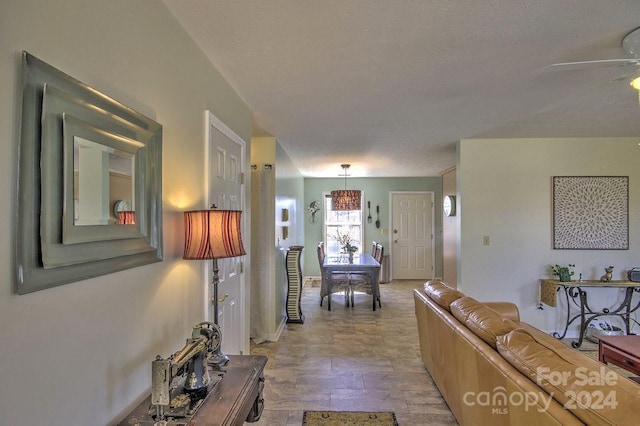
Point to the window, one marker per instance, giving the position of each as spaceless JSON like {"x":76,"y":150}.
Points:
{"x":343,"y":222}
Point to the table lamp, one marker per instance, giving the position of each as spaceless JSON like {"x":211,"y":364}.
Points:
{"x":213,"y":234}
{"x":126,"y":217}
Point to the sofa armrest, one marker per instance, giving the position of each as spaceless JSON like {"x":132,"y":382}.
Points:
{"x":505,"y":309}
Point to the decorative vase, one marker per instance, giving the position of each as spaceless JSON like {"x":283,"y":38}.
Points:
{"x":350,"y":257}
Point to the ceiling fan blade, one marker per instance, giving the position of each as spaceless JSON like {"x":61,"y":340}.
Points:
{"x":630,"y":43}
{"x":569,"y":66}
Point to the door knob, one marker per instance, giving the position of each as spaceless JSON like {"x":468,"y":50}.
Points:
{"x":223,"y":298}
{"x":395,"y":231}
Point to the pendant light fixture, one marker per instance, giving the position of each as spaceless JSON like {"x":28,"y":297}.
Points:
{"x":345,"y":199}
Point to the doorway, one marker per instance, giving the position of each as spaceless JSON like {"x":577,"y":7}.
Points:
{"x":225,"y":189}
{"x":412,"y":239}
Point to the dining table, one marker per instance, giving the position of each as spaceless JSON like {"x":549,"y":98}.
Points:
{"x":362,"y":262}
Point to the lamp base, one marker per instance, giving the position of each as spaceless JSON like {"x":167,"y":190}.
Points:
{"x":217,"y":358}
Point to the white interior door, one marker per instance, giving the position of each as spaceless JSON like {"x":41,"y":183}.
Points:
{"x":412,"y":243}
{"x":226,"y":191}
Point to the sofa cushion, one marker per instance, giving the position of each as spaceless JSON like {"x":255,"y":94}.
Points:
{"x":584,"y":386}
{"x":483,"y":321}
{"x":505,"y":310}
{"x":441,"y":293}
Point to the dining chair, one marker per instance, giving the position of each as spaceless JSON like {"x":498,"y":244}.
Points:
{"x":339,"y":281}
{"x":379,"y":252}
{"x":361,"y":281}
{"x":373,"y":248}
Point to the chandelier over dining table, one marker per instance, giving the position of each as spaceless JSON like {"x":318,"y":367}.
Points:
{"x":346,"y":199}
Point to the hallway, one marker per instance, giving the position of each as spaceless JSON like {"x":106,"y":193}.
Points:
{"x":351,"y":359}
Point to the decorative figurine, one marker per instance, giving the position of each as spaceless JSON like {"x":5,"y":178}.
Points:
{"x":313,"y":209}
{"x":608,"y":276}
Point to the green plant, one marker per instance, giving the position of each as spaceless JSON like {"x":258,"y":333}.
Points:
{"x":346,"y":242}
{"x":564,"y":273}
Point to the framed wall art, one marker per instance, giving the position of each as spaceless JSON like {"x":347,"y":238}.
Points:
{"x":591,"y":212}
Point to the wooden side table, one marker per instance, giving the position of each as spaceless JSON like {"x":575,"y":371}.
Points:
{"x":623,"y":351}
{"x":235,"y":399}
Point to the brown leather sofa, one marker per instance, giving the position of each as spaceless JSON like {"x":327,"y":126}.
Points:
{"x":493,"y":369}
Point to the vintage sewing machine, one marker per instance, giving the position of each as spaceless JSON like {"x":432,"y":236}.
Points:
{"x":188,"y":388}
{"x":181,"y":382}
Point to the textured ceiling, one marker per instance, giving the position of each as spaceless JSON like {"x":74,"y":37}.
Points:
{"x":391,"y":86}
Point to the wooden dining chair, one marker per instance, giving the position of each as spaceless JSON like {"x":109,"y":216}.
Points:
{"x":339,"y":281}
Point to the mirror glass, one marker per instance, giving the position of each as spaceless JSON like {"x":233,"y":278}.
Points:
{"x":103,"y":184}
{"x":90,"y":191}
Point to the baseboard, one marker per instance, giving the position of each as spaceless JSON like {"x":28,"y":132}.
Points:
{"x":274,"y":337}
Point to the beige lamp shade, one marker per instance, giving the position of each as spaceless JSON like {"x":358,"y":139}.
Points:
{"x":212,"y":234}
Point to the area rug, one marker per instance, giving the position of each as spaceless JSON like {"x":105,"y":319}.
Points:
{"x":350,"y":418}
{"x":312,"y":282}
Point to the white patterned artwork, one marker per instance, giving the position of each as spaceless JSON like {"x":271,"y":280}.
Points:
{"x":591,"y":212}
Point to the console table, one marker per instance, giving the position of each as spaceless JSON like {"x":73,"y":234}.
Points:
{"x":234,"y":399}
{"x":575,"y":293}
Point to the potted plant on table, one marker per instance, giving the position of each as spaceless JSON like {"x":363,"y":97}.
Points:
{"x":347,"y":244}
{"x":563,"y":273}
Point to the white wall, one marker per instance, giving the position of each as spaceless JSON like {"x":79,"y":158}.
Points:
{"x":80,"y":354}
{"x":289,"y":194}
{"x":505,"y":193}
{"x":264,"y":317}
{"x":269,"y":308}
{"x":449,"y":232}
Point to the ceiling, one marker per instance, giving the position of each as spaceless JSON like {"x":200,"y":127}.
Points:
{"x":391,"y":86}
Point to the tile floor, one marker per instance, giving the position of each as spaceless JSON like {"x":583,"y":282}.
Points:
{"x":351,"y":359}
